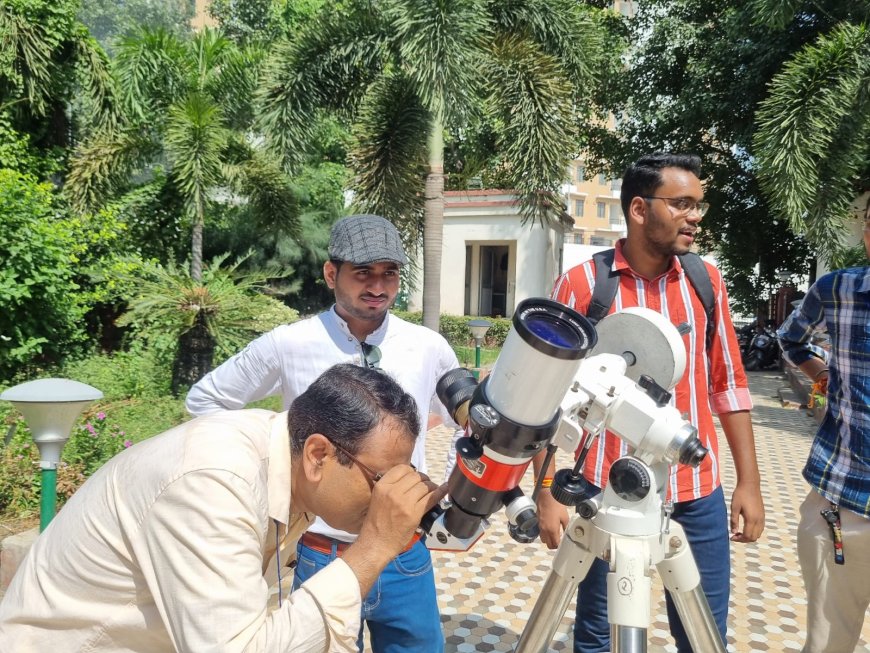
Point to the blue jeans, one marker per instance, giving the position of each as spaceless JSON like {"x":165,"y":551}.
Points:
{"x":401,"y":609}
{"x":705,"y":521}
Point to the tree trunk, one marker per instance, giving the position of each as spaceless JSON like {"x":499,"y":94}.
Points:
{"x":433,"y":226}
{"x":194,"y":357}
{"x":196,"y":243}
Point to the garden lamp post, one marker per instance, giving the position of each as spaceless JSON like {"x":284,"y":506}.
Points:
{"x":50,"y":407}
{"x":478,"y":330}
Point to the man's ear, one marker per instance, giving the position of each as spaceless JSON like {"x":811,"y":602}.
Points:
{"x":330,"y":272}
{"x":314,"y":451}
{"x":637,"y":211}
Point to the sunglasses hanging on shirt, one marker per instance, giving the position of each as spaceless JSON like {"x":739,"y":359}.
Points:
{"x":371,"y":356}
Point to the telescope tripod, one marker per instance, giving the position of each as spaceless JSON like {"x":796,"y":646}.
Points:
{"x":632,"y":531}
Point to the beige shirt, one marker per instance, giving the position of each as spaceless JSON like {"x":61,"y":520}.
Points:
{"x":172,"y":546}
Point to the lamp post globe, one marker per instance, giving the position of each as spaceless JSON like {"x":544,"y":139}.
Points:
{"x":478,"y":330}
{"x":50,"y":407}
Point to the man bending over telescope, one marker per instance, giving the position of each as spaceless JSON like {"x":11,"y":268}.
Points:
{"x":175,"y":542}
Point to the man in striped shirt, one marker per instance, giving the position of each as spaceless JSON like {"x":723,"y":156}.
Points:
{"x":662,"y":202}
{"x":836,"y":575}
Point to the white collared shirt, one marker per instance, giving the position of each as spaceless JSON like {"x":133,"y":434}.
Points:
{"x":286,"y":360}
{"x":171,"y":545}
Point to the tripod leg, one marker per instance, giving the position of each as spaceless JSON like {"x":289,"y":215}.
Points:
{"x":626,"y":639}
{"x":570,"y":565}
{"x":628,"y":594}
{"x":681,"y":578}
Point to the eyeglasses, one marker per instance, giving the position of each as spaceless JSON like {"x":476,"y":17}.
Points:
{"x":371,"y":355}
{"x":372,"y":476}
{"x":682,"y":205}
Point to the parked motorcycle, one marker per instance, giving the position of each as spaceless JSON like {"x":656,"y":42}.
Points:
{"x":745,"y":334}
{"x":763,"y":350}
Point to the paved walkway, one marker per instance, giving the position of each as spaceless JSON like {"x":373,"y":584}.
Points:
{"x":486,"y":594}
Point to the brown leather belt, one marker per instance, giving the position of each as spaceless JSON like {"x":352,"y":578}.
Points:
{"x":324,"y":544}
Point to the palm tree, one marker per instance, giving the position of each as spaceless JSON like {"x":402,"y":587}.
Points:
{"x":404,"y":70}
{"x":813,"y":129}
{"x":185,"y":108}
{"x":219,"y":314}
{"x":185,"y":117}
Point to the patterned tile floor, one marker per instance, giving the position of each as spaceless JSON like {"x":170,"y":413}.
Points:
{"x":486,"y":594}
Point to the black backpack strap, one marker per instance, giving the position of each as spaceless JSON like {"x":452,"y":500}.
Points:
{"x":699,"y":277}
{"x":606,"y":285}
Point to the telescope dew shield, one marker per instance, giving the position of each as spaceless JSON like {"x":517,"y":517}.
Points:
{"x":540,"y":357}
{"x":514,"y":413}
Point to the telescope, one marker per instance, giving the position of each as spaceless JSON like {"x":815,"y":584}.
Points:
{"x":559,"y":383}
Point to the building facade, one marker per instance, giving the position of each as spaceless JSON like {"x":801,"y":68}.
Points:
{"x":491,"y":260}
{"x":593,"y":202}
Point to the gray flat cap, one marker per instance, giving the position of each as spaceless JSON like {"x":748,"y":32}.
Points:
{"x":363,"y":239}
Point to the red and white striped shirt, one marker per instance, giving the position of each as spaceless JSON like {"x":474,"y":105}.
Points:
{"x":700,"y":392}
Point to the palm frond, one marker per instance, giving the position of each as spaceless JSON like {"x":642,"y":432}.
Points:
{"x":101,"y":166}
{"x":441,"y":43}
{"x":233,"y":305}
{"x":195,"y":137}
{"x":272,"y":196}
{"x":327,"y":66}
{"x":27,"y":51}
{"x":153,"y":70}
{"x":389,"y":153}
{"x":209,"y":51}
{"x":562,"y":28}
{"x":531,"y":99}
{"x":236,"y":85}
{"x":95,"y":78}
{"x":813,"y":133}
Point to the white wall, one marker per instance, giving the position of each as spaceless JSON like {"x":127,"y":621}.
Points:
{"x":491,"y":218}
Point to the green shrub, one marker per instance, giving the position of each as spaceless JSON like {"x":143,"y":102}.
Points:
{"x":455,"y":330}
{"x":40,"y":311}
{"x":141,"y":371}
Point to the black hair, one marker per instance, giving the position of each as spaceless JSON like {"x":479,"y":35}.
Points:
{"x":345,"y":404}
{"x":643,"y":177}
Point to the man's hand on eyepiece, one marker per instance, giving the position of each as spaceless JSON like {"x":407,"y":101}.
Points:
{"x":399,"y":501}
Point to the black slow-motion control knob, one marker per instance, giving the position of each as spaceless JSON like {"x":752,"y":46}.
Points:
{"x":571,"y":490}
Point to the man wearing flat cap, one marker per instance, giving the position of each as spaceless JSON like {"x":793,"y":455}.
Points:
{"x":365,"y":256}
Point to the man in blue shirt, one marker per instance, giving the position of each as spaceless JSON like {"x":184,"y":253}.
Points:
{"x":834,"y":532}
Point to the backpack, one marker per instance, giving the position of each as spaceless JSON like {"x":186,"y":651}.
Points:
{"x":607,"y":283}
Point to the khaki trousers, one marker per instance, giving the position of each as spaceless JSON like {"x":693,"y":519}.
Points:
{"x":837,"y":595}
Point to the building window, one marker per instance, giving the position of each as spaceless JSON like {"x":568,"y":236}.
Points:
{"x":581,"y":173}
{"x":602,"y":179}
{"x":599,"y":241}
{"x":601,"y":209}
{"x":578,"y":239}
{"x":615,"y":213}
{"x":579,"y":205}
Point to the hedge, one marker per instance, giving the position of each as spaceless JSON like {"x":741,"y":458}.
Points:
{"x":455,"y":328}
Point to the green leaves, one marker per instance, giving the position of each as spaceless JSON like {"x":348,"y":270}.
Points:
{"x":232,"y":305}
{"x":532,"y":102}
{"x":814,"y":128}
{"x":39,"y":310}
{"x":389,"y":152}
